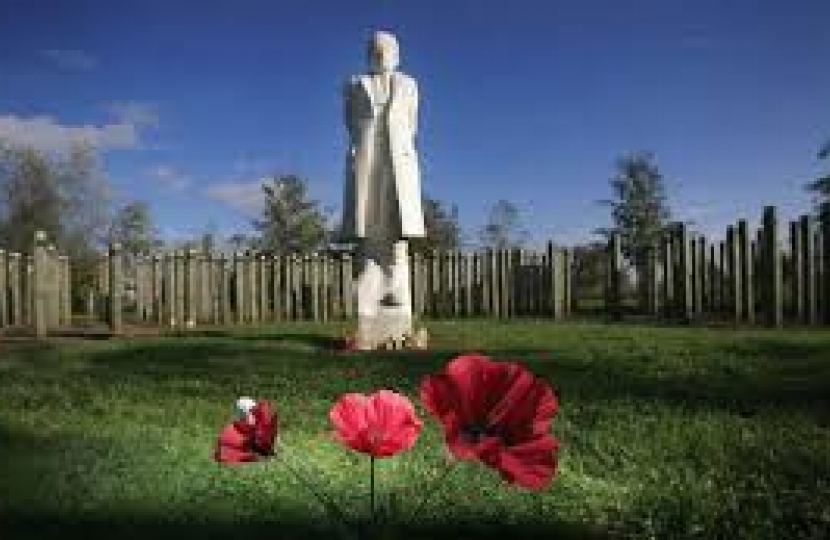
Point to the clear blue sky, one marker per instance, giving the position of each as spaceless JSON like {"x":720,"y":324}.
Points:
{"x":191,"y":102}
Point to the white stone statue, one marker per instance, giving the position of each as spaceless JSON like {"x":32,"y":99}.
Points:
{"x":382,"y":203}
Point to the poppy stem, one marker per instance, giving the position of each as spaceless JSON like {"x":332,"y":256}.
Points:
{"x":372,"y":490}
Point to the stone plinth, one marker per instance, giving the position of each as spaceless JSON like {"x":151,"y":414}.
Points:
{"x":390,"y":323}
{"x":384,"y":303}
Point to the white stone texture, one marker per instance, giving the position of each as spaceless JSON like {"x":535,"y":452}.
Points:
{"x":382,"y":202}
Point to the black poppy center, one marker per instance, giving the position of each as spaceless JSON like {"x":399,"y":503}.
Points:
{"x":475,"y":431}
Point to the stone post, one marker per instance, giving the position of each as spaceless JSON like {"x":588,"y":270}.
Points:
{"x":567,"y":281}
{"x":252,"y":288}
{"x":809,"y":268}
{"x":116,"y":286}
{"x":747,"y":278}
{"x":66,"y":289}
{"x":4,"y":286}
{"x":825,"y":237}
{"x":180,"y":288}
{"x":772,"y":278}
{"x":714,"y":280}
{"x":668,"y":275}
{"x":15,"y":298}
{"x":191,"y":287}
{"x":239,"y":288}
{"x":734,"y":256}
{"x":505,"y":284}
{"x":40,"y":316}
{"x":168,"y":293}
{"x":28,"y":290}
{"x":207,"y":287}
{"x":288,"y":286}
{"x":686,"y":266}
{"x":653,"y":281}
{"x":700,"y":277}
{"x":796,"y":274}
{"x":223,"y":283}
{"x":155,"y":289}
{"x":52,"y":287}
{"x":614,"y":297}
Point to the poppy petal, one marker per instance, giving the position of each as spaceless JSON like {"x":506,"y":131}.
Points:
{"x":233,"y":445}
{"x":265,"y":428}
{"x":395,"y":422}
{"x":527,"y":401}
{"x":496,"y":412}
{"x":349,"y":418}
{"x":381,"y":424}
{"x":530,"y":464}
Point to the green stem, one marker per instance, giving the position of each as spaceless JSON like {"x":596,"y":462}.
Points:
{"x":372,"y":491}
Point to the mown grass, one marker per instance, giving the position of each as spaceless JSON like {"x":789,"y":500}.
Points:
{"x":665,"y":433}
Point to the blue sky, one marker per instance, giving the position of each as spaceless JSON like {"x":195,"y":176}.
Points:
{"x":192,"y":102}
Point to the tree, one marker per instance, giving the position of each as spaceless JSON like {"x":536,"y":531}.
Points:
{"x":442,"y":228}
{"x":503,"y":228}
{"x":239,"y":242}
{"x":64,"y":194}
{"x":589,"y":262}
{"x":132,"y":227}
{"x":821,"y":186}
{"x":639,"y":210}
{"x":291,"y":222}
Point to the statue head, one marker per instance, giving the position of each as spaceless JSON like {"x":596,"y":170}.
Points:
{"x":383,"y":52}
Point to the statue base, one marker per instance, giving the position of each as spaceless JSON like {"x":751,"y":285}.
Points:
{"x":389,"y":325}
{"x":383,"y":297}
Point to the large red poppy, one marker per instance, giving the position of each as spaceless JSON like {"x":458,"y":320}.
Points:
{"x":381,"y":424}
{"x":496,"y":412}
{"x":249,"y":438}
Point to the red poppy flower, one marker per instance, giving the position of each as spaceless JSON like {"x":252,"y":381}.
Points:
{"x":498,"y":413}
{"x":381,"y":424}
{"x":249,"y":438}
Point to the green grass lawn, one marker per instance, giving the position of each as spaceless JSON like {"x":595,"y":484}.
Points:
{"x":665,"y":433}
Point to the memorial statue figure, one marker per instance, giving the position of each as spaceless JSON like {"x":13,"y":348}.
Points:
{"x":382,"y":203}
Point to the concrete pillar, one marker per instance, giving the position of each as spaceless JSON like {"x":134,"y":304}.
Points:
{"x":614,"y":278}
{"x":747,"y":277}
{"x":239,"y":288}
{"x":40,"y":316}
{"x":4,"y":287}
{"x":809,"y":269}
{"x":772,"y":284}
{"x":66,"y":291}
{"x":180,"y":258}
{"x":52,"y":287}
{"x":825,"y":236}
{"x":116,"y":285}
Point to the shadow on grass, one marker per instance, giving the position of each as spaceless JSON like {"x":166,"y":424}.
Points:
{"x":40,"y":526}
{"x":51,"y":489}
{"x":767,"y":371}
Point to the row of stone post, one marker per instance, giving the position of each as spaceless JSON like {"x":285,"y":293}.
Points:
{"x":499,"y":283}
{"x":742,"y":278}
{"x":192,"y":288}
{"x":35,"y":289}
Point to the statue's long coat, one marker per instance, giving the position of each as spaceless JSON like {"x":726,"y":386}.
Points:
{"x":362,"y":120}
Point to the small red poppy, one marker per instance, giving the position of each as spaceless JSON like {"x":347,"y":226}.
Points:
{"x":247,"y":439}
{"x":381,"y":424}
{"x":498,"y":413}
